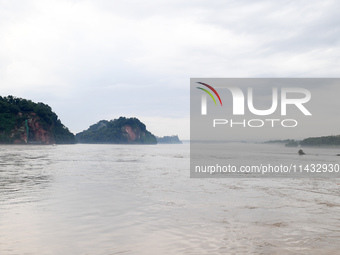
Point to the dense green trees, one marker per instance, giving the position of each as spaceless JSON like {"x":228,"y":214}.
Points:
{"x":169,"y":139}
{"x":14,"y":111}
{"x":321,"y":141}
{"x":311,"y":141}
{"x":114,"y":131}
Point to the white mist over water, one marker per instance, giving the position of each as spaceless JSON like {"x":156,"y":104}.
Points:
{"x":124,"y":199}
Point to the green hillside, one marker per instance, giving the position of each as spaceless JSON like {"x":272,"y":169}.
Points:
{"x":23,"y":121}
{"x":117,"y":131}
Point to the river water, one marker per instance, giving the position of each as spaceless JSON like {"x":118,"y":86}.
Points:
{"x":122,"y":199}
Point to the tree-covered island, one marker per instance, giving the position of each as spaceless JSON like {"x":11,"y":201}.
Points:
{"x":25,"y":122}
{"x":117,"y":131}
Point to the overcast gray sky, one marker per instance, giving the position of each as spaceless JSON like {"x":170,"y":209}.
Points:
{"x":101,"y":59}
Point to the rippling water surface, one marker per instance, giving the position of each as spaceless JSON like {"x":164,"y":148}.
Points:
{"x":121,"y":199}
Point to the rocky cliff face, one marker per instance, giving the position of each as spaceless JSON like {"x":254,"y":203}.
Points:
{"x":37,"y":134}
{"x":25,"y":122}
{"x":30,"y":130}
{"x":134,"y":134}
{"x":121,"y":131}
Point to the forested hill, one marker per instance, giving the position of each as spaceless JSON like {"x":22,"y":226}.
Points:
{"x":169,"y":139}
{"x":332,"y":140}
{"x":23,"y":121}
{"x":321,"y":141}
{"x":120,"y":131}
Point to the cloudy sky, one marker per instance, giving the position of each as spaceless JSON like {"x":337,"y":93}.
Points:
{"x":101,"y":59}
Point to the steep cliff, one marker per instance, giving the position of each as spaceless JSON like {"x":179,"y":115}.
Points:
{"x":120,"y":131}
{"x":25,"y":122}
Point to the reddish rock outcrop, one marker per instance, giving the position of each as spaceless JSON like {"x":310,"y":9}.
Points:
{"x":37,"y":134}
{"x":131,"y":135}
{"x":117,"y":131}
{"x":25,"y":122}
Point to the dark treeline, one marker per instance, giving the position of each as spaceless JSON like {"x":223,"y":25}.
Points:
{"x":14,"y":111}
{"x":115,"y":131}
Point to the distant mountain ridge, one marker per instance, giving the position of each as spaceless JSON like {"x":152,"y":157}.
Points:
{"x":169,"y":139}
{"x":117,"y":131}
{"x":23,"y":121}
{"x":331,"y":140}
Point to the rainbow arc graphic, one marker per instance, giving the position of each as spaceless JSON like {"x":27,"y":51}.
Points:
{"x":209,"y":93}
